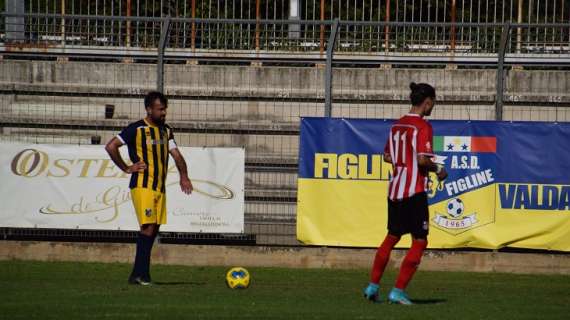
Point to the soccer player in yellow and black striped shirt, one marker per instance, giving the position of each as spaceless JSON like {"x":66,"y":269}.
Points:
{"x":150,"y":141}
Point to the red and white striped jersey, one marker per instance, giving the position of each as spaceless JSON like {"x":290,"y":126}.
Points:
{"x":409,"y":137}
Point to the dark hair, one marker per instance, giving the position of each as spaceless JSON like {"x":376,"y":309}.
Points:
{"x":421,"y":91}
{"x":152,"y":96}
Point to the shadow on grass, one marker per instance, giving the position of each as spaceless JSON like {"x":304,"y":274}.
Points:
{"x":428,"y":301}
{"x":178,"y":283}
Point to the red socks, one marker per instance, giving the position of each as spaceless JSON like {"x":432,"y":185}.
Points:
{"x":382,"y":257}
{"x":410,"y":263}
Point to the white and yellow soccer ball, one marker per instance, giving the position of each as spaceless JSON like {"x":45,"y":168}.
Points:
{"x":237,"y":278}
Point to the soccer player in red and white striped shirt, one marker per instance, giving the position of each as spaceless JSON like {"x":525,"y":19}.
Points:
{"x":409,"y":150}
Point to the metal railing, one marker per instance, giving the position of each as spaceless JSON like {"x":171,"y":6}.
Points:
{"x":195,"y":36}
{"x":472,"y":11}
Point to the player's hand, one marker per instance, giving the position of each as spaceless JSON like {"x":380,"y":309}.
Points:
{"x":137,"y":167}
{"x":186,"y":185}
{"x":442,"y":174}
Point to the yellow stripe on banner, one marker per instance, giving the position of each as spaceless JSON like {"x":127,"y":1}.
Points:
{"x":150,"y":163}
{"x":140,"y":156}
{"x":342,"y":212}
{"x":483,"y":223}
{"x":354,"y":213}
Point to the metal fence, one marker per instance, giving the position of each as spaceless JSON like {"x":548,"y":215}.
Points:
{"x":481,"y":11}
{"x":190,"y":37}
{"x":468,"y":36}
{"x":246,"y":83}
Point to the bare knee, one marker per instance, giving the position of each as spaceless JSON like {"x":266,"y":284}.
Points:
{"x":149,"y":230}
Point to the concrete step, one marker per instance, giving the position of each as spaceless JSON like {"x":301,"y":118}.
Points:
{"x":241,"y":126}
{"x":276,"y":111}
{"x":258,"y":158}
{"x":45,"y":139}
{"x":206,"y":108}
{"x":94,"y":78}
{"x":273,"y":233}
{"x":258,"y":114}
{"x":270,"y":210}
{"x":53,"y":111}
{"x":274,"y":180}
{"x":274,"y":195}
{"x":259,"y":146}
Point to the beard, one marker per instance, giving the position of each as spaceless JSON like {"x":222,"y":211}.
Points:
{"x":158,"y":120}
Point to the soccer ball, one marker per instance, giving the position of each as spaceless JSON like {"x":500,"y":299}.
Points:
{"x":237,"y":278}
{"x":455,"y":208}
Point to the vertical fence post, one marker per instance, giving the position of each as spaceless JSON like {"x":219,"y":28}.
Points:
{"x":328,"y":69}
{"x":128,"y":42}
{"x":501,"y":72}
{"x":322,"y":40}
{"x":164,"y":31}
{"x":257,"y":25}
{"x":453,"y":18}
{"x":193,"y":40}
{"x":519,"y":30}
{"x":63,"y":23}
{"x":387,"y":28}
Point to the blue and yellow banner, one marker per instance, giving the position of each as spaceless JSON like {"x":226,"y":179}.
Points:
{"x":508,"y":184}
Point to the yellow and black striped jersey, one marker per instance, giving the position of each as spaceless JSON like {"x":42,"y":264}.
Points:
{"x":149,"y":143}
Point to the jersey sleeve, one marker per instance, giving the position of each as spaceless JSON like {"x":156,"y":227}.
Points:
{"x":425,"y":141}
{"x":128,"y":135}
{"x":171,"y":140}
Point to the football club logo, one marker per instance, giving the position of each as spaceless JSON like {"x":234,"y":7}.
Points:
{"x":148,"y":212}
{"x":455,"y":217}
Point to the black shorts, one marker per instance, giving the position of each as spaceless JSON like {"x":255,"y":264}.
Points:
{"x":409,"y":215}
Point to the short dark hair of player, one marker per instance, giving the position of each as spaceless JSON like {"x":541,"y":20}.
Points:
{"x":421,"y":91}
{"x":152,"y":96}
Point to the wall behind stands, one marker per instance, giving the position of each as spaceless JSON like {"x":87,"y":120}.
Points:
{"x":252,"y":106}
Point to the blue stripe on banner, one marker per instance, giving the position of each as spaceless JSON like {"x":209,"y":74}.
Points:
{"x":527,"y":152}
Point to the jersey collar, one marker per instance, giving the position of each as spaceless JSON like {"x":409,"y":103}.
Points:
{"x":149,"y":124}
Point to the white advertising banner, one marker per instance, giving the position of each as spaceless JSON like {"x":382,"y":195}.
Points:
{"x":79,"y":187}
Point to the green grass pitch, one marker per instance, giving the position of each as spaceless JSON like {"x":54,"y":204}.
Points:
{"x":58,"y":290}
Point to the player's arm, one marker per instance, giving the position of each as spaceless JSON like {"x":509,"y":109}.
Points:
{"x":112,"y":148}
{"x":425,"y":153}
{"x":425,"y":161}
{"x":185,"y":183}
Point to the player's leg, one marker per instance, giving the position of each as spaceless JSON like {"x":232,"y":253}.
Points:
{"x":419,"y":229}
{"x":144,"y":203}
{"x":407,"y":270}
{"x":150,"y":231}
{"x":140,"y":274}
{"x":380,"y":262}
{"x":382,"y":256}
